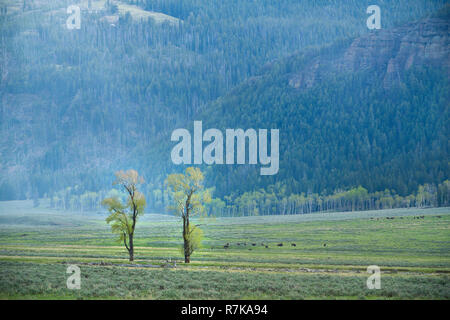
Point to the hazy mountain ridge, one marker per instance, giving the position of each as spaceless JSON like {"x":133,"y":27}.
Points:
{"x":388,"y":52}
{"x":372,"y":111}
{"x":75,"y":106}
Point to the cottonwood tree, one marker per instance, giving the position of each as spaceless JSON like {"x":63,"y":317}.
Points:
{"x":188,"y":199}
{"x":123,"y":216}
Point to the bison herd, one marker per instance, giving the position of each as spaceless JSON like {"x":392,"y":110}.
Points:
{"x":227,"y":245}
{"x":392,"y":218}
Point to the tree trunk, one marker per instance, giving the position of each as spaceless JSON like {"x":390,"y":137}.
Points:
{"x":187,"y":256}
{"x":131,"y":251}
{"x":186,"y":252}
{"x":186,"y":242}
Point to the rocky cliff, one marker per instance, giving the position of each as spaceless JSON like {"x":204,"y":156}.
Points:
{"x":387,"y":52}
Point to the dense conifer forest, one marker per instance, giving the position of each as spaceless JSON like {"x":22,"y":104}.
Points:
{"x":76,"y":105}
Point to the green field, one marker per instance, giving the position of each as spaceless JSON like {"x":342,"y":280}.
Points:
{"x":329,"y":260}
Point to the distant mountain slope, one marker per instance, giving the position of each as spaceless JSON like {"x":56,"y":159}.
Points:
{"x":373,"y":111}
{"x":76,"y":105}
{"x":390,"y":53}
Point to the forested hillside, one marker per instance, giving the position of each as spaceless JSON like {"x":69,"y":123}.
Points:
{"x":78,"y":104}
{"x":376,"y":118}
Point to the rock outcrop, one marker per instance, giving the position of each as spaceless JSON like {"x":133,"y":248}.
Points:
{"x":389,"y":53}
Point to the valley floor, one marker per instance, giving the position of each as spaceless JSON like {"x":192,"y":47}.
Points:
{"x":324,"y":256}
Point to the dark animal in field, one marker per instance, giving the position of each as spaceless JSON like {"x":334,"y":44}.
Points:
{"x":422,"y":217}
{"x":267,"y":247}
{"x":226,"y":246}
{"x":253,"y":244}
{"x":238,"y":244}
{"x":280,"y":244}
{"x":324,"y":244}
{"x":439,"y":216}
{"x":293,"y":244}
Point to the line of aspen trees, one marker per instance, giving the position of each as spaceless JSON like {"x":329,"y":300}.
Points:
{"x":271,"y":201}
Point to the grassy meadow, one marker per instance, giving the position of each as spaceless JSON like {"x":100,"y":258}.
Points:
{"x":323,"y":256}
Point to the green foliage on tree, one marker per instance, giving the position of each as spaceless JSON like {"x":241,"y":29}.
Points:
{"x":188,"y":199}
{"x":195,"y":238}
{"x":124,"y":215}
